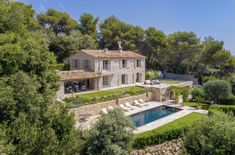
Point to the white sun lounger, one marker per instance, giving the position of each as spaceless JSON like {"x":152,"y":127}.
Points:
{"x":104,"y":111}
{"x":124,"y":108}
{"x":142,"y":102}
{"x":136,"y":103}
{"x":127,"y":104}
{"x":110,"y":108}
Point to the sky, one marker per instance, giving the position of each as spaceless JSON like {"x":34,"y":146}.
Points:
{"x":214,"y":18}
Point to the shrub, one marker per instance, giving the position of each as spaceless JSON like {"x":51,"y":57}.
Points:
{"x":152,"y":75}
{"x":111,"y":135}
{"x":166,"y":132}
{"x":223,"y":108}
{"x":184,"y":91}
{"x":198,"y":95}
{"x":228,"y":101}
{"x":217,"y":90}
{"x":214,"y":135}
{"x":205,"y":79}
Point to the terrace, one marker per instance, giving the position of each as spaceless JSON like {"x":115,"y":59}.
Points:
{"x":89,"y":106}
{"x":182,"y":112}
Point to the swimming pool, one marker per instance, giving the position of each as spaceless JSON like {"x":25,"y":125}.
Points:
{"x":151,"y":115}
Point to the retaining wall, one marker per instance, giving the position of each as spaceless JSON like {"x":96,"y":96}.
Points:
{"x":95,"y":109}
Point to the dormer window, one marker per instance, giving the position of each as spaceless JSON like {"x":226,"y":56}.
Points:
{"x":124,"y":63}
{"x":138,"y":63}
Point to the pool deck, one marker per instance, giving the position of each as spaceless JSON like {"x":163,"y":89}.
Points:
{"x":185,"y":110}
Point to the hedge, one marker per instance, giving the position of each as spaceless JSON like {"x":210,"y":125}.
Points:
{"x":228,"y":101}
{"x":166,"y":132}
{"x":103,"y":96}
{"x":224,"y":108}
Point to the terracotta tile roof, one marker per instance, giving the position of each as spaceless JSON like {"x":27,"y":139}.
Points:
{"x":77,"y":75}
{"x":112,"y":54}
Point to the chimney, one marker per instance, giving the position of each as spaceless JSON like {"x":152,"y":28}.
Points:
{"x":120,"y":46}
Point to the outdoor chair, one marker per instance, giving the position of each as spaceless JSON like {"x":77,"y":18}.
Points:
{"x":110,"y":108}
{"x":155,"y":82}
{"x":146,"y":82}
{"x":127,"y":104}
{"x":104,"y":111}
{"x":142,"y":102}
{"x":124,"y":108}
{"x":136,"y":103}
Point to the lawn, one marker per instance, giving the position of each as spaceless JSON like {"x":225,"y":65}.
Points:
{"x":195,"y":104}
{"x":111,"y":92}
{"x":102,"y":96}
{"x":166,"y":132}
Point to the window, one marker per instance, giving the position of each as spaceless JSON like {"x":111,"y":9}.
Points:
{"x":86,"y":64}
{"x":74,"y":61}
{"x":124,"y":79}
{"x":138,"y":77}
{"x":105,"y":65}
{"x":138,"y":63}
{"x":78,"y":64}
{"x":124,"y":63}
{"x":105,"y":80}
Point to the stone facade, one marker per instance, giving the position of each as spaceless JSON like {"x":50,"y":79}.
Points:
{"x":115,"y":72}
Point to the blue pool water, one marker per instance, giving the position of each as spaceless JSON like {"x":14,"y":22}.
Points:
{"x":151,"y":115}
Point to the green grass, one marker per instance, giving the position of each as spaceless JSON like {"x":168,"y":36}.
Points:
{"x":103,"y":96}
{"x":110,"y":92}
{"x":181,"y":122}
{"x":170,"y":81}
{"x":166,"y":132}
{"x":195,"y":104}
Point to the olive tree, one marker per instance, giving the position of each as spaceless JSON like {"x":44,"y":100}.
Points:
{"x":217,"y":90}
{"x":214,"y":135}
{"x":111,"y":135}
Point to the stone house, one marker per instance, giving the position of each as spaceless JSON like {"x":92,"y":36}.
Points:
{"x":101,"y":69}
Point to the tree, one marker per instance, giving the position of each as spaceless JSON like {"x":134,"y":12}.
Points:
{"x":30,"y":54}
{"x":152,"y":74}
{"x":64,"y":45}
{"x":217,"y":90}
{"x":59,"y":22}
{"x":214,"y":135}
{"x":198,"y":95}
{"x":153,"y":48}
{"x":16,"y":17}
{"x":112,"y":30}
{"x":183,"y":52}
{"x":111,"y":135}
{"x":88,"y":25}
{"x":31,"y":122}
{"x":5,"y":147}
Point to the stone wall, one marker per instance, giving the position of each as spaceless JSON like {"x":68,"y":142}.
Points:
{"x":172,"y":147}
{"x":95,"y":109}
{"x":181,"y":77}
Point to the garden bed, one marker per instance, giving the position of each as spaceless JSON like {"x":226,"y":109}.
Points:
{"x":172,"y":130}
{"x":103,"y":96}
